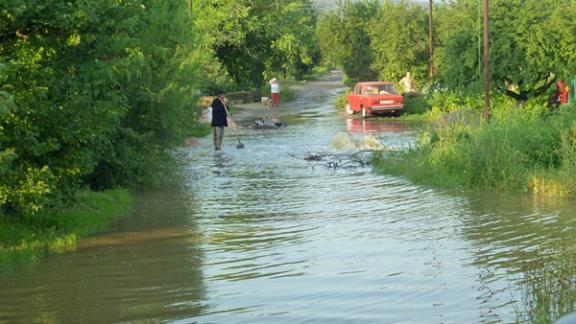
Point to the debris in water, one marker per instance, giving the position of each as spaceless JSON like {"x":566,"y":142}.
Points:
{"x":339,"y":161}
{"x":267,"y":124}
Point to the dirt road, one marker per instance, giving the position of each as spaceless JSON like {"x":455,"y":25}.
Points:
{"x":311,"y":91}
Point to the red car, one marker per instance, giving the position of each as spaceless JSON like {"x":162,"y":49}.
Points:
{"x":374,"y":98}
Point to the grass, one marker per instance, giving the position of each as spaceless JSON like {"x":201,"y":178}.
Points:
{"x":201,"y":129}
{"x":521,"y":152}
{"x":29,"y":240}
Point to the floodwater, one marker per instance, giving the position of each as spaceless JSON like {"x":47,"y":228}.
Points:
{"x":262,"y":235}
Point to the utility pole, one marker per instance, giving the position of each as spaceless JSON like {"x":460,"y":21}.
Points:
{"x":430,"y":38}
{"x":486,"y":114}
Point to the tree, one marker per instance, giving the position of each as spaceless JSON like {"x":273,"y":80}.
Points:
{"x":344,"y":38}
{"x":459,"y":30}
{"x":531,"y":45}
{"x":91,"y":94}
{"x":255,"y":39}
{"x":398,"y":35}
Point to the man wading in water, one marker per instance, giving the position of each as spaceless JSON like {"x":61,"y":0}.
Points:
{"x":219,"y":120}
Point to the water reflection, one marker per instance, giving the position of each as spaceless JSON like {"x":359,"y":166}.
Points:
{"x":221,"y":164}
{"x":375,"y":126}
{"x":151,"y":272}
{"x":510,"y":230}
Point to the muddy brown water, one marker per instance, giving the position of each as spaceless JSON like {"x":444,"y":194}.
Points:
{"x":259,"y":235}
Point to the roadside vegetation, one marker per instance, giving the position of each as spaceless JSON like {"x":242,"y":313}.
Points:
{"x":527,"y":146}
{"x":95,"y":95}
{"x":514,"y":153}
{"x":29,"y":239}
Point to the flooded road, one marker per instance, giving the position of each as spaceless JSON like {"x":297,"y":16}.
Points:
{"x":260,"y":235}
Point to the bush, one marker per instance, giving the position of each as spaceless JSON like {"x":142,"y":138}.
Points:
{"x":415,"y":104}
{"x":91,"y":94}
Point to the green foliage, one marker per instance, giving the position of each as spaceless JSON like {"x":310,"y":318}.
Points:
{"x":91,"y":94}
{"x":530,"y":44}
{"x":547,"y":287}
{"x":340,"y":101}
{"x":399,"y":40}
{"x":513,"y":153}
{"x":415,"y":104}
{"x":344,"y":39}
{"x":255,"y":40}
{"x":200,"y":130}
{"x":318,"y":71}
{"x":458,"y":36}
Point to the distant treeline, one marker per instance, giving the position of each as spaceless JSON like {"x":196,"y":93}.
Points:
{"x":533,"y":43}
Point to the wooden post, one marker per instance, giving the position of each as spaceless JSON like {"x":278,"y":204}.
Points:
{"x":430,"y":38}
{"x":486,"y":114}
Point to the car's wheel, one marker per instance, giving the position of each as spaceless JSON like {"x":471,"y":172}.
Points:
{"x":349,"y":109}
{"x":365,"y":113}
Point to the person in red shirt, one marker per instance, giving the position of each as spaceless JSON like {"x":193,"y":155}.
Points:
{"x":563,"y":90}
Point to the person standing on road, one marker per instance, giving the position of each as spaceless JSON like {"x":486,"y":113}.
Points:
{"x":219,"y":119}
{"x":275,"y":94}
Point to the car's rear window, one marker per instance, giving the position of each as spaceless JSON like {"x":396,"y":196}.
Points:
{"x":379,"y":89}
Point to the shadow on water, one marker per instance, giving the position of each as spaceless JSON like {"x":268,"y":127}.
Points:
{"x":150,"y":268}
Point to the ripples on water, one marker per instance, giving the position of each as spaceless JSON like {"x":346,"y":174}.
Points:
{"x":259,"y":236}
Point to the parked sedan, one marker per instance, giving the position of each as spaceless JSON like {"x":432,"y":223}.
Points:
{"x":374,"y":97}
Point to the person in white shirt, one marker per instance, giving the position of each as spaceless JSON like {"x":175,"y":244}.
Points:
{"x":408,"y":83}
{"x":275,"y":94}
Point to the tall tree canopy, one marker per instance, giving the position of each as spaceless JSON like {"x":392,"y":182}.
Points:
{"x":399,"y":39}
{"x":96,"y":93}
{"x":532,"y":43}
{"x":255,"y":39}
{"x":344,"y":39}
{"x":92,"y":92}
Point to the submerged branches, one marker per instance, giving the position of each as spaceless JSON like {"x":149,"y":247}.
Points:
{"x":333,"y":161}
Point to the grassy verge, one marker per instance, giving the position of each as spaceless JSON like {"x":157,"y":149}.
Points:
{"x":28,"y":240}
{"x":202,"y":129}
{"x":518,"y":152}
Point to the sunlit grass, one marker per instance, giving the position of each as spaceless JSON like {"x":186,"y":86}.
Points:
{"x":552,"y":184}
{"x":200,"y":130}
{"x":28,"y":240}
{"x":519,"y":152}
